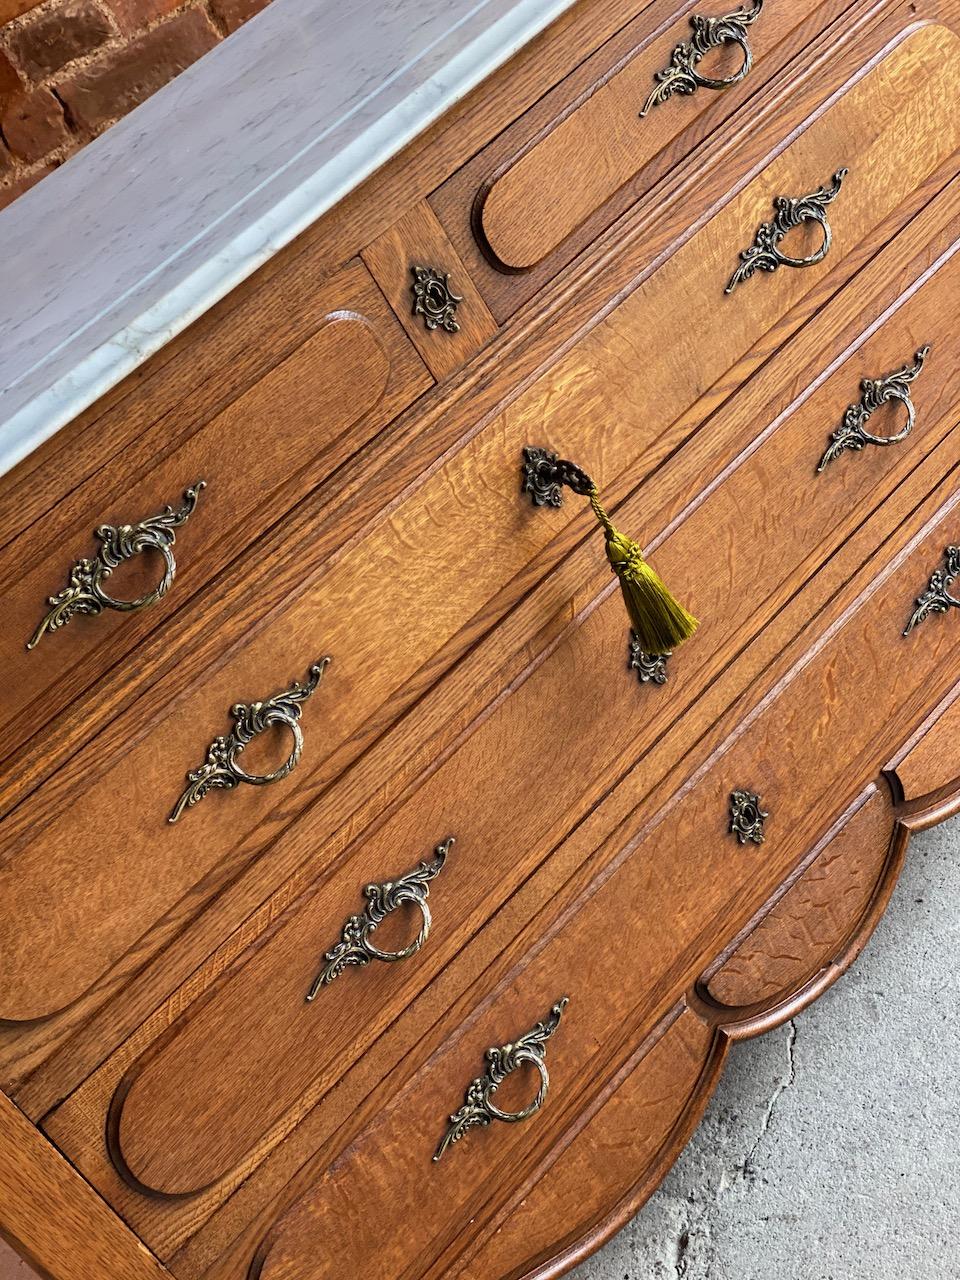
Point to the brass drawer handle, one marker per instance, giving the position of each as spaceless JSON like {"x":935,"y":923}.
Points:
{"x":682,"y":77}
{"x":84,"y":591}
{"x":937,"y":597}
{"x":222,"y":768}
{"x":478,"y":1107}
{"x":355,"y":946}
{"x":765,"y":253}
{"x":875,"y":392}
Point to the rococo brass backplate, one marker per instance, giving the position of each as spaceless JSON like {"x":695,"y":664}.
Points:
{"x":747,"y":817}
{"x":434,"y":299}
{"x":937,"y":597}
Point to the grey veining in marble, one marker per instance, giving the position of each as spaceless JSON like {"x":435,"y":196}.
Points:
{"x":138,"y":234}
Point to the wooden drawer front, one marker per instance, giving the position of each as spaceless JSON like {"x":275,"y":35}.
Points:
{"x":639,"y":935}
{"x":530,"y":207}
{"x":258,"y":456}
{"x":561,"y":174}
{"x":388,"y":605}
{"x":782,"y":522}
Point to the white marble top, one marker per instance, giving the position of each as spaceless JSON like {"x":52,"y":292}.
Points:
{"x":138,"y":234}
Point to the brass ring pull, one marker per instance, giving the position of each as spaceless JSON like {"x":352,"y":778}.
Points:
{"x":355,"y":946}
{"x":682,"y":76}
{"x":84,"y":592}
{"x":479,"y":1109}
{"x":765,"y":253}
{"x":937,"y":597}
{"x":222,"y":769}
{"x":875,"y":392}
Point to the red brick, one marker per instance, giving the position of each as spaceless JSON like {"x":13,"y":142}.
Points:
{"x":12,"y":190}
{"x":122,"y":78}
{"x":134,"y":15}
{"x":10,"y":9}
{"x":56,"y":34}
{"x":234,"y":13}
{"x":33,"y":125}
{"x":10,"y":81}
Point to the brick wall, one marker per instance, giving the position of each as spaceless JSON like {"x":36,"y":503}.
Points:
{"x":71,"y":68}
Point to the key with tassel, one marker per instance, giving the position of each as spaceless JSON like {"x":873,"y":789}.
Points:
{"x":659,"y":621}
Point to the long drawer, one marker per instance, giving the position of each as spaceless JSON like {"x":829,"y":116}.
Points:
{"x":631,"y":942}
{"x":92,"y":895}
{"x":184,"y":1109}
{"x":526,"y":205}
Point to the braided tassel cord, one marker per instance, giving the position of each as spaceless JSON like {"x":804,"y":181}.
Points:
{"x":658,"y":619}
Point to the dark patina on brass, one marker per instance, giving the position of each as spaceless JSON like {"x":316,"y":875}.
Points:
{"x":937,"y":597}
{"x":222,"y":769}
{"x":651,"y":668}
{"x":434,"y":299}
{"x":765,"y":253}
{"x":747,"y":817}
{"x":683,"y":77}
{"x":356,"y":946}
{"x":478,"y":1108}
{"x":85,"y":593}
{"x":876,"y":392}
{"x":543,"y":476}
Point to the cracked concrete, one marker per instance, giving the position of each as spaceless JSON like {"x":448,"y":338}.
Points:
{"x":831,"y":1150}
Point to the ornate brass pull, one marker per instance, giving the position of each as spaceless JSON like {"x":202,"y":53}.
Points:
{"x":478,"y":1108}
{"x":355,"y":946}
{"x":853,"y":433}
{"x":937,"y":597}
{"x":222,"y":769}
{"x":765,"y":253}
{"x":682,"y":77}
{"x":84,"y":591}
{"x":747,"y":817}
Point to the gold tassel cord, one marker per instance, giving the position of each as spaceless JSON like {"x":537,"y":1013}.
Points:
{"x":657,"y":617}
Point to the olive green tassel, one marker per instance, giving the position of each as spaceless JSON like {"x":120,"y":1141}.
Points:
{"x":659,"y":621}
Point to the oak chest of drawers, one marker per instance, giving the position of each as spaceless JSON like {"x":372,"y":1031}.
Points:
{"x":423,"y":961}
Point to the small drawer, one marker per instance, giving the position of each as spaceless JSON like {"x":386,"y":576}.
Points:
{"x":530,"y":201}
{"x":583,"y":709}
{"x":257,"y":456}
{"x":409,"y":593}
{"x":678,"y":892}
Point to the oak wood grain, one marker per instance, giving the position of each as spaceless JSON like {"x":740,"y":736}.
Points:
{"x":219,"y":1251}
{"x":807,"y":928}
{"x":54,"y":1218}
{"x":615,"y":160}
{"x":679,"y":849}
{"x":913,"y":75}
{"x":418,"y":240}
{"x":883,"y":271}
{"x":258,"y":455}
{"x":785,"y":532}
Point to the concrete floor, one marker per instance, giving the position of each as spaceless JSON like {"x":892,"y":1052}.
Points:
{"x":831,"y":1150}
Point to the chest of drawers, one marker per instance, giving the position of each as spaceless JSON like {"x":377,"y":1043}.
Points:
{"x":447,"y":988}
